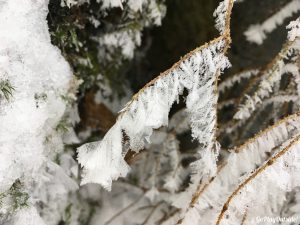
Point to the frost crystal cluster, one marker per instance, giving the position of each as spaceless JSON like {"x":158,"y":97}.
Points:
{"x":197,"y":145}
{"x":150,"y":108}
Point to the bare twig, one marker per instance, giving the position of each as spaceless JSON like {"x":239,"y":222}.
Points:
{"x":123,"y":210}
{"x":151,"y":213}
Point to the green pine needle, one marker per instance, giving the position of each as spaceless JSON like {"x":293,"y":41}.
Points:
{"x":6,"y":89}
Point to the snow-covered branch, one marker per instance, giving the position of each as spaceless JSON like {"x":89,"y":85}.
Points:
{"x":258,"y":33}
{"x":149,"y":108}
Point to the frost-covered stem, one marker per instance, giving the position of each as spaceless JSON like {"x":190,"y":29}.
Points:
{"x":225,"y":36}
{"x":258,"y":33}
{"x":197,"y":72}
{"x":226,"y":103}
{"x":168,"y":71}
{"x":235,"y":78}
{"x":247,"y":146}
{"x":254,"y":175}
{"x":266,"y":73}
{"x":201,"y":188}
{"x":244,"y":218}
{"x":267,"y":130}
{"x":270,"y":67}
{"x":256,"y":114}
{"x":232,"y":125}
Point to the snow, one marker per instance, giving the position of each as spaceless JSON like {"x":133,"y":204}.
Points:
{"x":28,"y":216}
{"x":111,"y":3}
{"x":71,"y":3}
{"x":257,"y":33}
{"x":220,"y":14}
{"x":125,"y":40}
{"x":33,"y":66}
{"x":294,"y":27}
{"x":228,"y":83}
{"x":32,"y":150}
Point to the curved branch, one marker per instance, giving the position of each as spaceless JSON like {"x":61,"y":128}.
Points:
{"x":265,"y":80}
{"x":198,"y":72}
{"x":254,"y":175}
{"x":267,"y":130}
{"x":237,"y":77}
{"x":291,"y":121}
{"x":225,"y":36}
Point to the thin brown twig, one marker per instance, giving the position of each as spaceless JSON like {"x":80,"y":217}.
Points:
{"x":123,"y":210}
{"x":151,"y":212}
{"x":165,"y":217}
{"x":244,"y":218}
